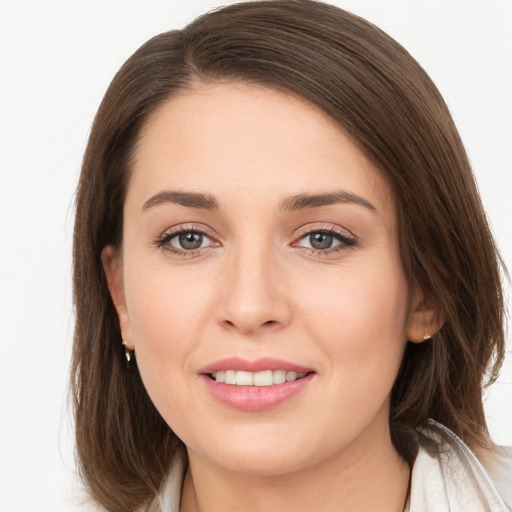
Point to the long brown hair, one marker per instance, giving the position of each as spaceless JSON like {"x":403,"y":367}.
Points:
{"x":385,"y":101}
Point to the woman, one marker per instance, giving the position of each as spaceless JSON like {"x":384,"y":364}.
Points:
{"x":287,"y":292}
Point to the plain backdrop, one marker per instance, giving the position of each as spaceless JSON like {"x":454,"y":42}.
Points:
{"x":56,"y":61}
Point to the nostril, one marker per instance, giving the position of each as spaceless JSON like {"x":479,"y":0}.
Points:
{"x":249,"y":323}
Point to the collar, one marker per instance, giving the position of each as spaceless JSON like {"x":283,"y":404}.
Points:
{"x":448,"y":477}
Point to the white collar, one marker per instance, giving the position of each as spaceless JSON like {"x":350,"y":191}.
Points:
{"x":447,"y":476}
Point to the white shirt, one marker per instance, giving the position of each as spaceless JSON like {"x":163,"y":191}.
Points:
{"x":448,"y":477}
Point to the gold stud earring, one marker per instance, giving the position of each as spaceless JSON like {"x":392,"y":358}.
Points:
{"x":427,"y":337}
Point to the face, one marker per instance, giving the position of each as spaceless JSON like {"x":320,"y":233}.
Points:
{"x":259,"y":281}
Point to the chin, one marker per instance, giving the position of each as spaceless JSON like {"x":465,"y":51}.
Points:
{"x":264,"y":464}
{"x":260,"y":453}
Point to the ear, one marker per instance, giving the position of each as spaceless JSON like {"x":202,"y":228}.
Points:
{"x":112,"y":265}
{"x":424,"y":321}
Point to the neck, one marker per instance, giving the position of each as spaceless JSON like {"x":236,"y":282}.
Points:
{"x":367,"y":475}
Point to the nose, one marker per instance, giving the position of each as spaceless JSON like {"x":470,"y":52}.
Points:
{"x":255,"y":293}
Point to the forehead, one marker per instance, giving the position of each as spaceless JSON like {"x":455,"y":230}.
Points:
{"x":233,"y":139}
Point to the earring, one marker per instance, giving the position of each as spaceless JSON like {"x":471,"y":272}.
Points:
{"x":427,"y":337}
{"x":128,"y":355}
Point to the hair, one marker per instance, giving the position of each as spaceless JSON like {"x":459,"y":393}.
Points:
{"x":388,"y":105}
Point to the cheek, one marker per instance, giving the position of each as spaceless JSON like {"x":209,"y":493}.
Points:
{"x":169,"y":313}
{"x":359,"y":292}
{"x":360,"y":318}
{"x":168,"y":318}
{"x":166,"y":309}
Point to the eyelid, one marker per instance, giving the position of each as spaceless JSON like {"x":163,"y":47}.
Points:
{"x":189,"y":226}
{"x":325,"y":228}
{"x":346,"y":238}
{"x":162,"y":241}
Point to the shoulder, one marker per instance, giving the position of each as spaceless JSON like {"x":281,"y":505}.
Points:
{"x":447,"y":475}
{"x":499,"y":468}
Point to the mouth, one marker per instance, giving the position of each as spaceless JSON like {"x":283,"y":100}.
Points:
{"x":259,"y":379}
{"x":255,"y":385}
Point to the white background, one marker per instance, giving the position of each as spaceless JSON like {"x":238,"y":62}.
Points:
{"x":56,"y":60}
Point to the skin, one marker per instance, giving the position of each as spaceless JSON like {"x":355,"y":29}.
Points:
{"x":256,"y":288}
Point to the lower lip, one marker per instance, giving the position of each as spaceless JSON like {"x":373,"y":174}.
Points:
{"x":256,"y":398}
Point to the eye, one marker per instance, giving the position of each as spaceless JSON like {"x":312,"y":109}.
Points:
{"x":184,"y":241}
{"x":321,"y":240}
{"x":189,"y":240}
{"x":325,"y":241}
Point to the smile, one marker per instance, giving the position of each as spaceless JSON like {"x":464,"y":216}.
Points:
{"x":261,"y":379}
{"x":255,"y":385}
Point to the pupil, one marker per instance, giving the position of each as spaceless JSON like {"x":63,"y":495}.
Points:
{"x":191,"y":240}
{"x":320,"y":240}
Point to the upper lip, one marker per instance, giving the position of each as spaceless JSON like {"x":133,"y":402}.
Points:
{"x":258,"y":365}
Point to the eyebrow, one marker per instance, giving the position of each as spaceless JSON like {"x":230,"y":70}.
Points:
{"x":293,"y":203}
{"x":190,"y":199}
{"x":303,"y":201}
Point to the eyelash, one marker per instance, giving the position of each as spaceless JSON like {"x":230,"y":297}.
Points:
{"x":346,"y":241}
{"x":163,"y":241}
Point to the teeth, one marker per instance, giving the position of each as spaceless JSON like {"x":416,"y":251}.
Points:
{"x":230,"y":377}
{"x":291,"y":376}
{"x":265,"y":378}
{"x":245,"y":378}
{"x":279,"y":376}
